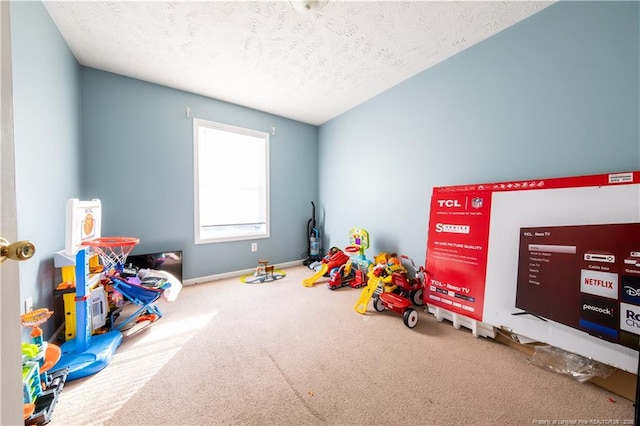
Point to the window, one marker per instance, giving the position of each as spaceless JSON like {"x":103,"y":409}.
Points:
{"x":231,"y":182}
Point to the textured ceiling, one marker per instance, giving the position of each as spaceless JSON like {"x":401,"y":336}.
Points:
{"x":266,"y":55}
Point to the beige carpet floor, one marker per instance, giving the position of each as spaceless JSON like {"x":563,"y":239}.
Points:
{"x":279,"y":353}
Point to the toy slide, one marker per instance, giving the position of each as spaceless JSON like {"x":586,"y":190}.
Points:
{"x":367,"y":293}
{"x":308,"y":282}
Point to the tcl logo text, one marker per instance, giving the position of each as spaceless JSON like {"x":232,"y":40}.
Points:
{"x":449,"y":203}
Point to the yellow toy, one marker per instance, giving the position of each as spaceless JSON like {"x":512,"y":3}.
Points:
{"x":379,"y":279}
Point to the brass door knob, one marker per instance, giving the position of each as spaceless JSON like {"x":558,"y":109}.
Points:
{"x":20,"y":250}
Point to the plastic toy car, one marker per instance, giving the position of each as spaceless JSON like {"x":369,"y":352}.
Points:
{"x":347,"y":275}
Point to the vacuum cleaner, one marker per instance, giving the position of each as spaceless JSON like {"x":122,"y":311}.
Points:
{"x":313,"y":239}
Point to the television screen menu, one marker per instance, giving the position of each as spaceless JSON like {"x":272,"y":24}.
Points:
{"x":584,"y":276}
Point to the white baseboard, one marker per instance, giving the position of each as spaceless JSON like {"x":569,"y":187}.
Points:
{"x":233,"y":274}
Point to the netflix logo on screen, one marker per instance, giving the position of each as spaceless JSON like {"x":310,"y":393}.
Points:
{"x":599,"y":316}
{"x":630,"y":318}
{"x":630,"y":289}
{"x":599,"y":283}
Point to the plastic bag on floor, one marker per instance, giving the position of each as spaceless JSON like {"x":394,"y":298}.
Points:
{"x":560,"y":361}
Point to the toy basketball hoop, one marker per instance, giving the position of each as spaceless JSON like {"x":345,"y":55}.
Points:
{"x":35,"y":318}
{"x":352,"y":250}
{"x":113,"y":251}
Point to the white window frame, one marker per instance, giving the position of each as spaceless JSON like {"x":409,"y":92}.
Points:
{"x":240,"y":235}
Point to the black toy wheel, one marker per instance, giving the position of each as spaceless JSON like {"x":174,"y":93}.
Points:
{"x":410,"y":317}
{"x":377,"y":303}
{"x":416,"y":297}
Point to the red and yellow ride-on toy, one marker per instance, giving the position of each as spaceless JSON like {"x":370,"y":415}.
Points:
{"x":391,"y":288}
{"x":354,"y":272}
{"x":347,"y":275}
{"x":333,"y":260}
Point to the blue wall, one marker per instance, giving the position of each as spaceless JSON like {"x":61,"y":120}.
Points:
{"x":554,"y":95}
{"x":138,"y":152}
{"x":47,"y":115}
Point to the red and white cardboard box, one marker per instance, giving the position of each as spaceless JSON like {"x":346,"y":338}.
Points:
{"x":474,"y":253}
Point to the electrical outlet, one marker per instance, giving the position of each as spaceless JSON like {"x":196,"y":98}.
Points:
{"x":28,"y":304}
{"x":254,"y":246}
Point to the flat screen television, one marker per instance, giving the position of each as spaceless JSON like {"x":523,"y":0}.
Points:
{"x":168,"y":261}
{"x":583,"y":276}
